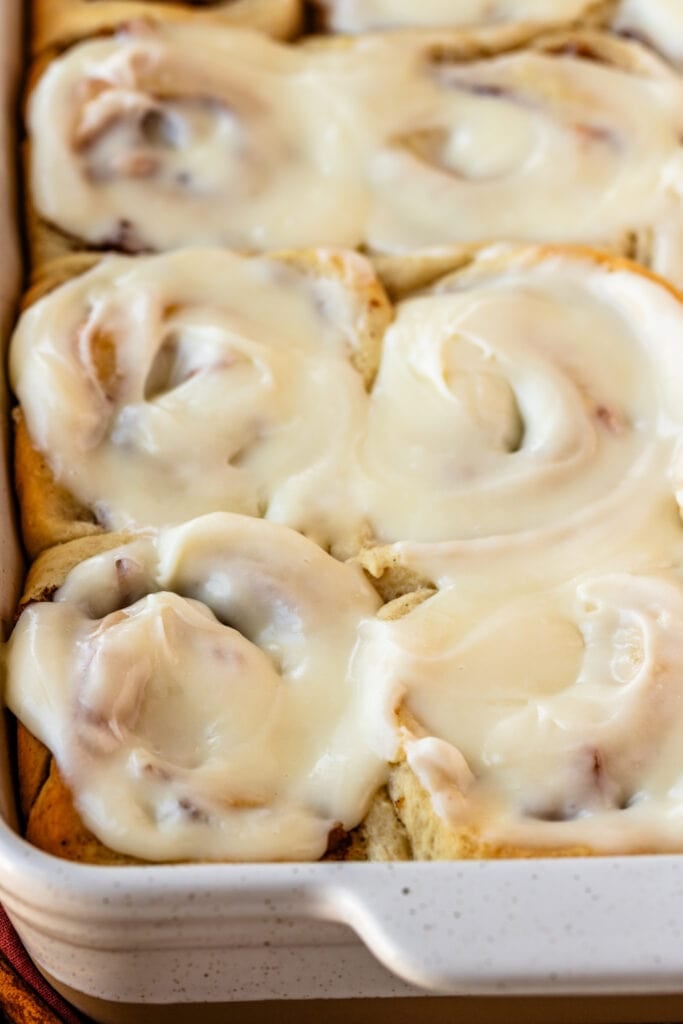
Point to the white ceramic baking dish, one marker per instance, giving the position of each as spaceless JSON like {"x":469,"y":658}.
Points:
{"x":114,"y":937}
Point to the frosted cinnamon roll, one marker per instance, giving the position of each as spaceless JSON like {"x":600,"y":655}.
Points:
{"x":59,"y":23}
{"x":396,"y":142}
{"x":365,"y":15}
{"x":531,"y":403}
{"x":658,"y":23}
{"x":574,"y":139}
{"x":197,"y":689}
{"x":539,"y":720}
{"x":156,"y":389}
{"x":180,"y":134}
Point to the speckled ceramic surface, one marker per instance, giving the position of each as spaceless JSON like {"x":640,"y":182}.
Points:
{"x":226,"y":933}
{"x":222,"y":932}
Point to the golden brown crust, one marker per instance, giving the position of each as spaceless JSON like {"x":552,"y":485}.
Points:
{"x":401,"y":822}
{"x":60,"y":23}
{"x":53,"y":824}
{"x":356,"y":274}
{"x":51,"y":821}
{"x":50,"y":515}
{"x":57,"y":272}
{"x":400,"y":825}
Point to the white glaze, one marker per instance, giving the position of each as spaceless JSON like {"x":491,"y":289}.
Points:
{"x":183,"y":737}
{"x":495,"y":414}
{"x":361,"y":15}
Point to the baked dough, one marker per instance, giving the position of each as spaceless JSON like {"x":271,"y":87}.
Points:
{"x":656,"y":23}
{"x":342,"y":283}
{"x":50,"y":819}
{"x":376,"y":15}
{"x":574,"y":138}
{"x":59,"y":23}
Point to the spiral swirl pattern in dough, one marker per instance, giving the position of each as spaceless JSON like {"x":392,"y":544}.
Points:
{"x":533,"y":394}
{"x":542,"y":716}
{"x":363,"y":15}
{"x":164,"y":388}
{"x":538,"y":691}
{"x":658,"y":23}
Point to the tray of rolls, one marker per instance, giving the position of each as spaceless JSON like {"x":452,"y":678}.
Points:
{"x":345,"y":424}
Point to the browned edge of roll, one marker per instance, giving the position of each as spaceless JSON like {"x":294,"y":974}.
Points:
{"x":51,"y":821}
{"x":48,"y":242}
{"x":50,"y":514}
{"x":596,"y":14}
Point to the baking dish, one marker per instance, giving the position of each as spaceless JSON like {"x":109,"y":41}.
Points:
{"x":113,"y":938}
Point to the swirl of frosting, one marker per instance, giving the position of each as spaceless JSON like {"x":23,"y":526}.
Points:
{"x":531,"y":404}
{"x":544,"y":716}
{"x":659,"y":23}
{"x":198,"y":690}
{"x":60,"y":24}
{"x":162,"y":388}
{"x":169,"y":135}
{"x":394,"y":144}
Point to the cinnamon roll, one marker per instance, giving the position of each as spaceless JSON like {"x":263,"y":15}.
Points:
{"x":657,"y":23}
{"x":539,"y":720}
{"x":476,"y":413}
{"x":197,"y":690}
{"x":156,"y":389}
{"x":365,"y":15}
{"x":397,"y":142}
{"x":59,"y":23}
{"x":531,"y":400}
{"x":536,"y":672}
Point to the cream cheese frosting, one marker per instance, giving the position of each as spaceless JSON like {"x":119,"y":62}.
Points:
{"x":361,"y":15}
{"x":521,"y":445}
{"x":658,"y":23}
{"x":537,"y":393}
{"x":199,"y":690}
{"x":392,"y":144}
{"x":233,"y":387}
